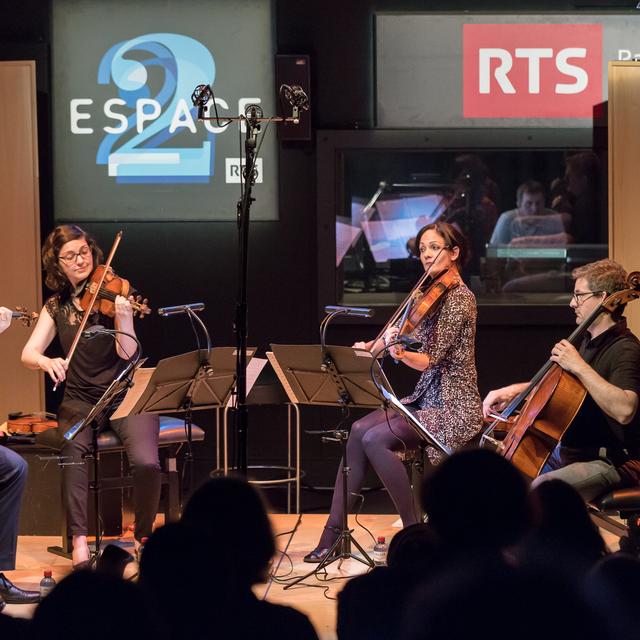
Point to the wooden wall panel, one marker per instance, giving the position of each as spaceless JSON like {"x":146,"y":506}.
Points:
{"x":624,"y":171}
{"x":20,"y":273}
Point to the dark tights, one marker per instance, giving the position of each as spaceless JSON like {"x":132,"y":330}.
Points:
{"x":372,"y":440}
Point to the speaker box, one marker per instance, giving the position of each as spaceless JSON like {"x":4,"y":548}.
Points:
{"x":293,"y":70}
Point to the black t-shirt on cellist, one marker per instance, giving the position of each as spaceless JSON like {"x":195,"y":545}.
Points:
{"x":95,"y":363}
{"x":615,"y":355}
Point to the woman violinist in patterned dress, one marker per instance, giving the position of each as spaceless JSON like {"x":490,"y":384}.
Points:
{"x":445,"y":401}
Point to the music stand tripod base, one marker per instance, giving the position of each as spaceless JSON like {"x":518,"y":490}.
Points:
{"x":343,"y":543}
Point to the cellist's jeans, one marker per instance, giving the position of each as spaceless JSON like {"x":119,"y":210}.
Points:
{"x":13,"y":477}
{"x":591,"y":478}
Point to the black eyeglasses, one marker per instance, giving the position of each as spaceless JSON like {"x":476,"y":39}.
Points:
{"x":71,"y":256}
{"x":581,"y":296}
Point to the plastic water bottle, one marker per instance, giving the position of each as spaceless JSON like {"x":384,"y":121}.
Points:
{"x":140,"y":549}
{"x":380,"y":552}
{"x":46,"y":584}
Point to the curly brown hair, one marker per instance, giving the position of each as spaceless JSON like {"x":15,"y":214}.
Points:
{"x":55,"y":278}
{"x":452,"y":237}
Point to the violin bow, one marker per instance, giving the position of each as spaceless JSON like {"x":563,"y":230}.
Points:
{"x":94,"y":297}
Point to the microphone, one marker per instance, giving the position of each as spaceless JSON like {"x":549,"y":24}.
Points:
{"x":200,"y":97}
{"x":409,"y":343}
{"x":73,"y":431}
{"x":358,"y":312}
{"x":297,"y":98}
{"x":93,"y":331}
{"x":181,"y":308}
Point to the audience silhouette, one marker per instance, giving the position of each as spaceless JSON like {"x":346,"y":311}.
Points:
{"x":562,"y":533}
{"x":92,"y":604}
{"x":493,"y":560}
{"x":371,"y":605}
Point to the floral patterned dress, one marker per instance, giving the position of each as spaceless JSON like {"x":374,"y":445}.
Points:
{"x":446,"y":395}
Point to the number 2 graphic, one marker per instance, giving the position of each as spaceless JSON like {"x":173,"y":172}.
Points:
{"x":184,"y":62}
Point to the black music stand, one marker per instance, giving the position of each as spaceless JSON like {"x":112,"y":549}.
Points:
{"x":187,"y":383}
{"x":329,"y":376}
{"x":92,"y":421}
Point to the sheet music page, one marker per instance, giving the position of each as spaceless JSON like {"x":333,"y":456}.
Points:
{"x":254,"y":367}
{"x":141,"y":379}
{"x":282,"y":378}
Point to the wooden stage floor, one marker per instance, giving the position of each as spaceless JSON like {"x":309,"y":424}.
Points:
{"x":316,"y":597}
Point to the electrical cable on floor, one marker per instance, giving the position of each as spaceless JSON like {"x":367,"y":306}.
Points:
{"x":283,"y":554}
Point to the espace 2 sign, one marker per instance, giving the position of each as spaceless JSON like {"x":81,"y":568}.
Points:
{"x":143,"y":118}
{"x":531,"y":70}
{"x":127,"y":142}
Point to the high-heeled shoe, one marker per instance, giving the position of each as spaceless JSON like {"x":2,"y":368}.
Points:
{"x":318,"y":554}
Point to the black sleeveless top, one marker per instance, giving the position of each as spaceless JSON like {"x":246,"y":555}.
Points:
{"x":95,"y":362}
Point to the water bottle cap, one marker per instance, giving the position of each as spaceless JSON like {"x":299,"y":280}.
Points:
{"x":47,"y":573}
{"x":381,"y":538}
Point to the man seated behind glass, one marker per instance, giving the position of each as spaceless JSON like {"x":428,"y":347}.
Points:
{"x":531,"y":222}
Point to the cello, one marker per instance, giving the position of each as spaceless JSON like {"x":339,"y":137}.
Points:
{"x":550,"y":402}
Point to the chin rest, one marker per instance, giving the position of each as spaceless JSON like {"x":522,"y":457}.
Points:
{"x":625,"y":503}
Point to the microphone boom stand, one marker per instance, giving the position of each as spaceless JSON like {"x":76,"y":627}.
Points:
{"x":201,"y":97}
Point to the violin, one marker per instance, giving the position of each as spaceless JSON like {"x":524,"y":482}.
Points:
{"x":26,"y":318}
{"x":25,"y":424}
{"x":423,"y":301}
{"x":112,"y":286}
{"x":426,"y":300}
{"x":105,"y":286}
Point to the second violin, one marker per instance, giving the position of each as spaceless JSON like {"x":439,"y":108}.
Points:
{"x":112,"y":286}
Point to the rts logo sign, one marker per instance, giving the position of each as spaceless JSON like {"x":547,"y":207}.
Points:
{"x":532,"y":70}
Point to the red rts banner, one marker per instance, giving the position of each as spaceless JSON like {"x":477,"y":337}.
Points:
{"x":532,"y":70}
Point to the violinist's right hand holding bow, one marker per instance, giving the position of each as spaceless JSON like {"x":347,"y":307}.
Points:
{"x":55,"y":367}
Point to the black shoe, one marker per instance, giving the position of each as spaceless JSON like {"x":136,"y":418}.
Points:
{"x":14,"y":595}
{"x":318,"y":554}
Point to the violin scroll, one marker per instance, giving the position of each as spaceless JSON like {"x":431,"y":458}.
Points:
{"x":26,"y":318}
{"x":140,"y":306}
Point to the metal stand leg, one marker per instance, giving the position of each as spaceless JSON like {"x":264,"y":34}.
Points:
{"x":341,"y":548}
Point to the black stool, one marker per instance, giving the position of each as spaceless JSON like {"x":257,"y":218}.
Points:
{"x":626,"y":503}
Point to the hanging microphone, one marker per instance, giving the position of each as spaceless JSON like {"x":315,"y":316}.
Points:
{"x":358,"y":312}
{"x":93,"y":331}
{"x":181,"y":308}
{"x":297,"y":98}
{"x":200,"y":97}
